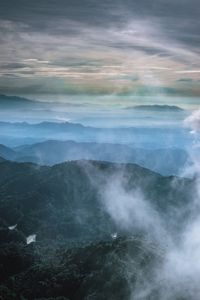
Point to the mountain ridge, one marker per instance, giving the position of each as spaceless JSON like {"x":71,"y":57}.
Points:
{"x":165,"y":161}
{"x":157,"y":107}
{"x":78,"y":244}
{"x":6,"y":100}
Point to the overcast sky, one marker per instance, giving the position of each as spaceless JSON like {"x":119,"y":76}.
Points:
{"x":93,"y":47}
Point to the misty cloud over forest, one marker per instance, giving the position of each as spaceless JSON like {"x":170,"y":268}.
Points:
{"x":99,"y":150}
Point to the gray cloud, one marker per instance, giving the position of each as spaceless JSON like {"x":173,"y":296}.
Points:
{"x":88,"y":40}
{"x":13,"y":66}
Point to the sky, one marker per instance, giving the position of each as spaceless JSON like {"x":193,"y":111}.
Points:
{"x":103,"y":48}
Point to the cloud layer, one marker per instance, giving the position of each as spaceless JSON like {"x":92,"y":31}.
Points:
{"x":92,"y":47}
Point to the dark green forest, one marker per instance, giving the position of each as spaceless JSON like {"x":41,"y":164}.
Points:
{"x":76,"y":255}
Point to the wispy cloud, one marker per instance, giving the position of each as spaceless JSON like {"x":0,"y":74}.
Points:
{"x":100,"y":51}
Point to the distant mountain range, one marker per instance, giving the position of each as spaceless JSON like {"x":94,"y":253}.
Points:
{"x":14,"y":134}
{"x":9,"y":101}
{"x":14,"y":101}
{"x":164,"y":161}
{"x":157,"y":107}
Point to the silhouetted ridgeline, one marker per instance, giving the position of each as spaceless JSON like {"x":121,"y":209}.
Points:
{"x":17,"y":134}
{"x":169,"y":161}
{"x":157,"y":108}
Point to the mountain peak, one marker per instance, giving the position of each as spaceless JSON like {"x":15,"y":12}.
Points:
{"x":157,"y":107}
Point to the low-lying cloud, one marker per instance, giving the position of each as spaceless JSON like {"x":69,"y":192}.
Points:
{"x":177,"y":275}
